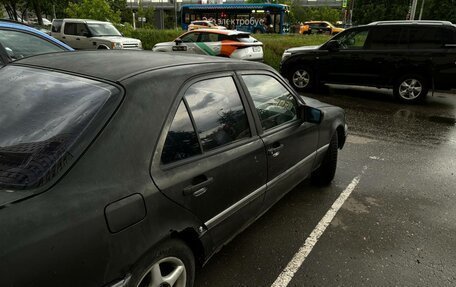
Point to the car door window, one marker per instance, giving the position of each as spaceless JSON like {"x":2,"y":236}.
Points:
{"x":70,"y":29}
{"x":20,"y":44}
{"x":208,"y":37}
{"x":426,"y":38}
{"x":354,"y":40}
{"x":218,"y":112}
{"x":275,"y":105}
{"x":82,"y":30}
{"x":181,"y":141}
{"x":190,"y":38}
{"x":386,"y":38}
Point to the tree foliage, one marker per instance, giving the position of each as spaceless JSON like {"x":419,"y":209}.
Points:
{"x":93,"y":9}
{"x":302,"y":14}
{"x":367,"y":11}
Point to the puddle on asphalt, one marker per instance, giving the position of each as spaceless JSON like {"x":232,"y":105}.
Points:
{"x":359,"y":140}
{"x":355,"y":206}
{"x":412,"y":115}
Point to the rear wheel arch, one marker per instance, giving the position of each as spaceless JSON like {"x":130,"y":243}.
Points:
{"x":191,"y":238}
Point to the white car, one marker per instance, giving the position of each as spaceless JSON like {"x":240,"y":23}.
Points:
{"x":84,"y":34}
{"x":222,"y":43}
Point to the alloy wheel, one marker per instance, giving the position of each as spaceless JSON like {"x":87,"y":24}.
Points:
{"x":410,"y":89}
{"x":301,"y":79}
{"x":167,"y":272}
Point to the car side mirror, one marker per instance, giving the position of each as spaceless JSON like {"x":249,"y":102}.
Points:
{"x":178,"y":41}
{"x":311,"y":115}
{"x":333,"y":46}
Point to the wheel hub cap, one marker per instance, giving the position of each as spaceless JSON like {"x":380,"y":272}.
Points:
{"x":410,"y":89}
{"x":301,"y":78}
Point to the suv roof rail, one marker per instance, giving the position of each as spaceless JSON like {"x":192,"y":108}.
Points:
{"x":412,"y":22}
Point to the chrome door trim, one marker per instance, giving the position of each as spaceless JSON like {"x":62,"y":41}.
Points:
{"x":235,"y":207}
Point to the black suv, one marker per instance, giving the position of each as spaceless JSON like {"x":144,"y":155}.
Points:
{"x":409,"y":56}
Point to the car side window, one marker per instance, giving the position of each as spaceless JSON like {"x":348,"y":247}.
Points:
{"x":354,"y":40}
{"x":190,"y":38}
{"x":218,"y":112}
{"x":426,"y":38}
{"x":56,"y":25}
{"x":19,"y":45}
{"x":181,"y":141}
{"x":70,"y":29}
{"x":275,"y":105}
{"x":208,"y":37}
{"x":82,"y":29}
{"x":386,"y":38}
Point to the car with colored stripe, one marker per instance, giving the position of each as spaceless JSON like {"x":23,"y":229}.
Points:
{"x":19,"y":41}
{"x":222,"y":43}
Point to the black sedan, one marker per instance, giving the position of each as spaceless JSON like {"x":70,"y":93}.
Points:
{"x":130,"y":168}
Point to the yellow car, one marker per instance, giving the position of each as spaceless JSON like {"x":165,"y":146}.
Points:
{"x":322,"y":27}
{"x":204,"y":24}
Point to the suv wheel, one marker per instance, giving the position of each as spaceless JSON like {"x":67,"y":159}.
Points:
{"x":301,"y":78}
{"x":170,"y":264}
{"x":411,"y":89}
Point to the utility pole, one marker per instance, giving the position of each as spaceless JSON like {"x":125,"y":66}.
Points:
{"x":421,"y":10}
{"x":352,"y":7}
{"x":413,"y":12}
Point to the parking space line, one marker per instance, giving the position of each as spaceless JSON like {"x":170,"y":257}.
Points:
{"x":298,"y":259}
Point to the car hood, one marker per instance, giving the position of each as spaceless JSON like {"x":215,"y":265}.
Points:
{"x":163,"y":44}
{"x":303,"y":48}
{"x":8,"y":197}
{"x":123,"y":40}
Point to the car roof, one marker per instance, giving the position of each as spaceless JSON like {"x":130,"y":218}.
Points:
{"x":25,"y":28}
{"x":82,"y":20}
{"x":117,"y":65}
{"x":224,"y":32}
{"x":412,"y":22}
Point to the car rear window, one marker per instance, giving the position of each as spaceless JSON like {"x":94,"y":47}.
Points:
{"x":45,"y":121}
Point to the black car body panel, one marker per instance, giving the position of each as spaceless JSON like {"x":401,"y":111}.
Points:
{"x":117,"y":201}
{"x":390,"y":50}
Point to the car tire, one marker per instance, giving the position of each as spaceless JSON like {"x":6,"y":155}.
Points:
{"x":324,"y":174}
{"x":411,"y":89}
{"x":173,"y":257}
{"x":302,"y":78}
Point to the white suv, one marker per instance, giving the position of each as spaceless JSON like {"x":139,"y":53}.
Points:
{"x":85,"y":34}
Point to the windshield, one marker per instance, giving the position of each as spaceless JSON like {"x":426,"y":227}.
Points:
{"x":103,"y":29}
{"x":42,"y":116}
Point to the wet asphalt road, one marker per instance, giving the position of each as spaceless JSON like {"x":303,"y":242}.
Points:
{"x":397,"y":228}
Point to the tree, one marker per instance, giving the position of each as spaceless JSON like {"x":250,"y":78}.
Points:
{"x":93,"y":9}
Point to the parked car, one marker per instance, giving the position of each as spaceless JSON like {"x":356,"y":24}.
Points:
{"x":321,"y":27}
{"x":409,"y":56}
{"x":132,"y":176}
{"x":83,"y":34}
{"x":222,"y":43}
{"x":18,"y":41}
{"x":204,"y":24}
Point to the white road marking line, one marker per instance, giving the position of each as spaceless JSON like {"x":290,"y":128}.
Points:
{"x":298,"y":259}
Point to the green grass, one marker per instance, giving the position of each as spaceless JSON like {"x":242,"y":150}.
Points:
{"x":274,"y":45}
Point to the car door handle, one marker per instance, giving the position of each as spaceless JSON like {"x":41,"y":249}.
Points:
{"x":199,"y":188}
{"x":63,"y":37}
{"x":275,"y":150}
{"x":78,"y":39}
